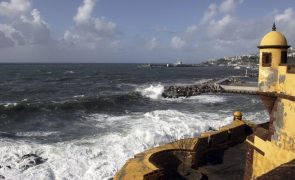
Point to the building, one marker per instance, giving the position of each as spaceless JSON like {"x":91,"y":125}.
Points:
{"x":275,"y":145}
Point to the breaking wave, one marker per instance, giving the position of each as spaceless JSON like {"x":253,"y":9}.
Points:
{"x":100,"y":156}
{"x":151,"y":91}
{"x":115,"y":102}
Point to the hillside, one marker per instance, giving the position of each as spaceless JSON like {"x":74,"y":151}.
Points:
{"x":248,"y":60}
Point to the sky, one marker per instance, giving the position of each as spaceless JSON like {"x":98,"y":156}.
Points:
{"x":137,"y":31}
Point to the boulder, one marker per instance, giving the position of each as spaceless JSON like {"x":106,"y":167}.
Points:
{"x":30,"y":160}
{"x":190,"y":90}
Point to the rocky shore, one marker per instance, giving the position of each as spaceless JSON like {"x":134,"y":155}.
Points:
{"x":23,"y":163}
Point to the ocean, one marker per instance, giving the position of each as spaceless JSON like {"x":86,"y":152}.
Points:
{"x":85,"y":120}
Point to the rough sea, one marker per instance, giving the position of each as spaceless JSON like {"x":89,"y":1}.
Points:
{"x":85,"y":120}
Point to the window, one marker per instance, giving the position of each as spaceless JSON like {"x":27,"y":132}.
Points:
{"x":266,"y":59}
{"x":291,"y":69}
{"x":284,"y":58}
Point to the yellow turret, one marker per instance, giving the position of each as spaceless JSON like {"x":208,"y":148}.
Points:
{"x":274,"y":146}
{"x":273,"y":53}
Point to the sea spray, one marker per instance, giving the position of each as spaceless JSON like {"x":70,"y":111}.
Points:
{"x":102,"y":155}
{"x":151,"y":91}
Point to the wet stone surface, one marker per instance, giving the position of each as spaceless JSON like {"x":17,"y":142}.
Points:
{"x":190,"y":90}
{"x":30,"y":160}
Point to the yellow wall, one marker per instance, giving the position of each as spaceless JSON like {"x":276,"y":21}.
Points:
{"x":284,"y":116}
{"x":268,"y":76}
{"x":281,"y":148}
{"x":275,"y":79}
{"x":286,"y":82}
{"x":274,"y":156}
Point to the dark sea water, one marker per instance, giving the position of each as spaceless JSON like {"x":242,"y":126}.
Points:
{"x":88,"y":119}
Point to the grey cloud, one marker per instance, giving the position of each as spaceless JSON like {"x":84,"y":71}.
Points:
{"x":90,"y":32}
{"x":4,"y":41}
{"x":23,"y":25}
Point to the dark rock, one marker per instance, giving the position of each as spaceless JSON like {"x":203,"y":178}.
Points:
{"x":30,"y":160}
{"x":212,"y":129}
{"x":204,"y":177}
{"x":2,"y":177}
{"x":9,"y":167}
{"x":190,"y":90}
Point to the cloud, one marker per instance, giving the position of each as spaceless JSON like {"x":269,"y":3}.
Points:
{"x":192,"y":29}
{"x":12,"y":36}
{"x":286,"y":23}
{"x":84,"y":11}
{"x":177,"y":43}
{"x":286,"y":16}
{"x":5,"y":41}
{"x":90,"y":32}
{"x":14,"y":8}
{"x":23,"y":25}
{"x":216,"y":27}
{"x":163,"y":29}
{"x":209,"y":14}
{"x":229,"y":5}
{"x":221,"y":32}
{"x":152,"y":44}
{"x":209,"y":33}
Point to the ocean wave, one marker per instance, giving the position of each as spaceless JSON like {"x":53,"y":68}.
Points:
{"x":151,"y":91}
{"x":27,"y":134}
{"x":35,"y":134}
{"x":100,"y":156}
{"x":79,"y":102}
{"x":9,"y":104}
{"x":79,"y":96}
{"x":257,"y":117}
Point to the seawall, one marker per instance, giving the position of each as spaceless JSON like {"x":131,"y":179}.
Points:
{"x":160,"y":162}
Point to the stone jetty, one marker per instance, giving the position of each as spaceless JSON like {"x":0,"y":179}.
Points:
{"x":191,"y":90}
{"x":224,"y":85}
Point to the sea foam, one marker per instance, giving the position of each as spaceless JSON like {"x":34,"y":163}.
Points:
{"x":151,"y":91}
{"x":101,"y":155}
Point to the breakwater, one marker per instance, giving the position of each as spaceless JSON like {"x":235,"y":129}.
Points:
{"x":211,"y":86}
{"x":191,"y":90}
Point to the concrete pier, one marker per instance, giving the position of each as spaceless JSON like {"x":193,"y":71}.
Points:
{"x":239,"y":89}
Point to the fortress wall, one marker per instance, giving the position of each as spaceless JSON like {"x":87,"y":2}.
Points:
{"x":151,"y":164}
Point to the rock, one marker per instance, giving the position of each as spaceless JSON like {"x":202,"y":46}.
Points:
{"x":2,"y":177}
{"x":190,"y":90}
{"x":212,"y":129}
{"x":30,"y":160}
{"x":9,"y":167}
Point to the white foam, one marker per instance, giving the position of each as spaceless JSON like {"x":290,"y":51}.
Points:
{"x":151,"y":91}
{"x":69,"y":72}
{"x":79,"y":96}
{"x":100,"y":156}
{"x":9,"y":104}
{"x":209,"y":98}
{"x":35,"y":133}
{"x":257,"y":117}
{"x":201,"y":99}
